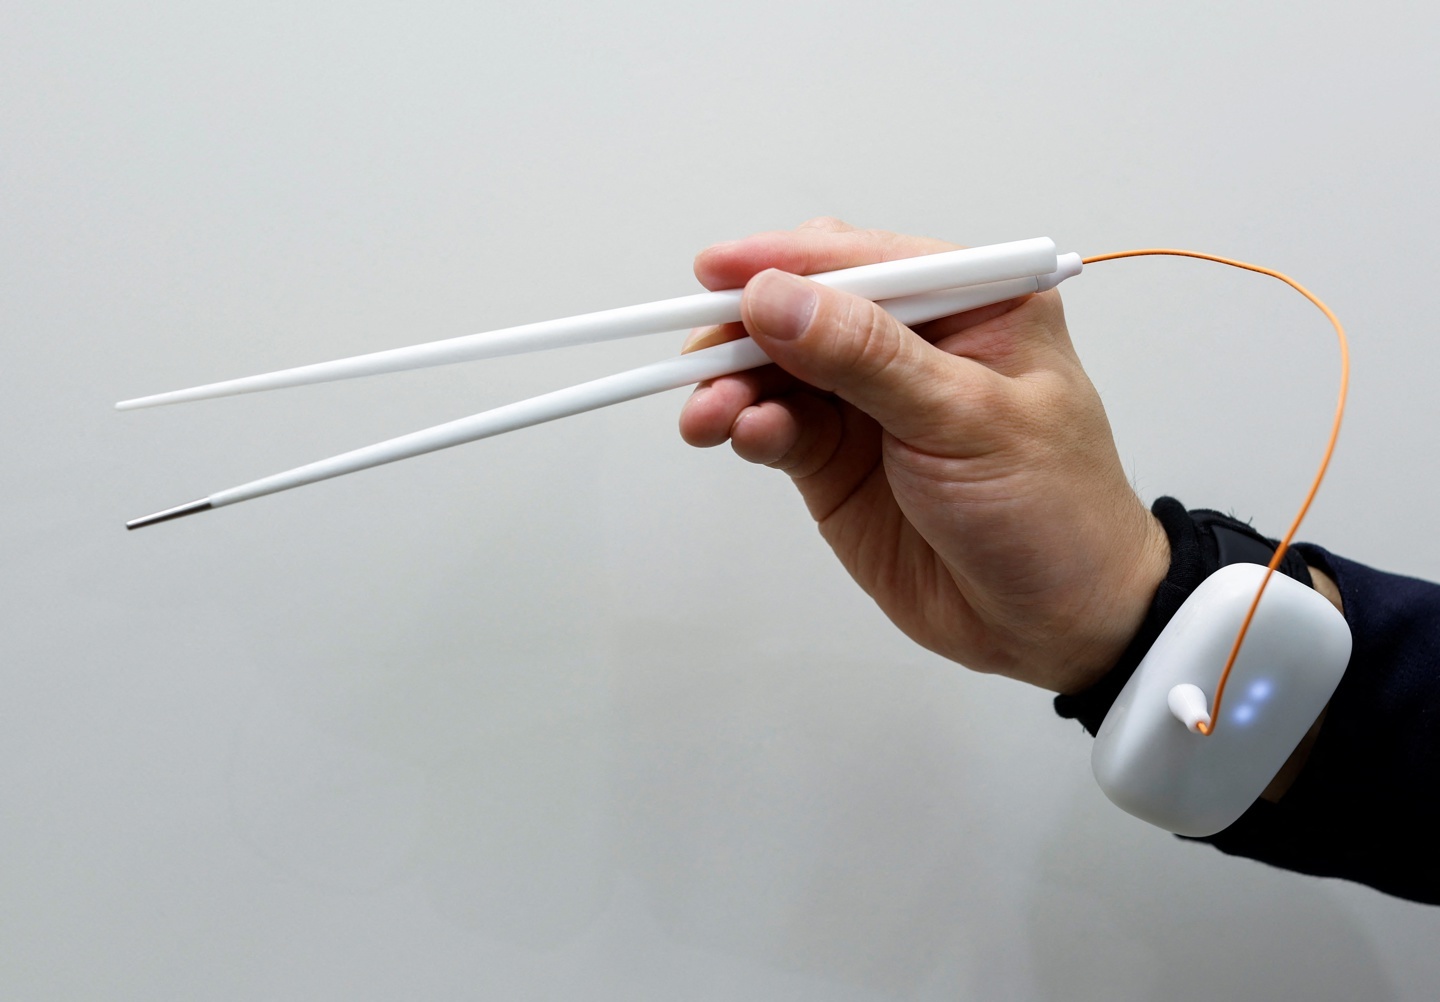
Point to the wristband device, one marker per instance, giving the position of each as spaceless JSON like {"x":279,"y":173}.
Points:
{"x":1170,"y":750}
{"x":1151,"y":759}
{"x":1157,"y":754}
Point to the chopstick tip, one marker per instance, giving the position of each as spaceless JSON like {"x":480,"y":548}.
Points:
{"x":179,"y":511}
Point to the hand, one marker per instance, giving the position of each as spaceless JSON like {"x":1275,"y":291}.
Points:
{"x":964,"y":473}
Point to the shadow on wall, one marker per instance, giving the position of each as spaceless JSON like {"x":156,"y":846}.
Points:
{"x":1125,"y":911}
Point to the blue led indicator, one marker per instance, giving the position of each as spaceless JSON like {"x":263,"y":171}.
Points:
{"x":1244,"y":713}
{"x":1260,"y":690}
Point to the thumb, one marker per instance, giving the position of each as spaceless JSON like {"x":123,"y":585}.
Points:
{"x":850,"y":346}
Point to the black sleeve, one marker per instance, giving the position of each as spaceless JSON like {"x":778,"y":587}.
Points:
{"x":1366,"y":807}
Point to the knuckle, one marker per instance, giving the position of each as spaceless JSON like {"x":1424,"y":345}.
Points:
{"x":867,"y":345}
{"x":818,"y":434}
{"x":795,"y":458}
{"x":829,"y":224}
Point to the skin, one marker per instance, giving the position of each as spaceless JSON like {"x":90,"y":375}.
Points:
{"x":964,"y":472}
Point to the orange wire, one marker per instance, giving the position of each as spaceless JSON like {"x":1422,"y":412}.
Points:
{"x":1324,"y":463}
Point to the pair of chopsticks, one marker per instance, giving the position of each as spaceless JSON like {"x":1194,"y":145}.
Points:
{"x":913,"y":290}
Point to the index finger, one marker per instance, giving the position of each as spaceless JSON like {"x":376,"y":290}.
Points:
{"x":819,"y":245}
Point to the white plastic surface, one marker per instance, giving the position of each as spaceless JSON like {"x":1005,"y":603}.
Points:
{"x":1149,"y":763}
{"x":969,"y":266}
{"x":1189,"y":705}
{"x":668,"y":374}
{"x":1066,"y":266}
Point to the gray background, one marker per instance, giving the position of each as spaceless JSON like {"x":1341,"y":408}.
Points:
{"x":581,"y":712}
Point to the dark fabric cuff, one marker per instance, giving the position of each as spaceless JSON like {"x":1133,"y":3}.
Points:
{"x":1366,"y":807}
{"x":1201,"y":542}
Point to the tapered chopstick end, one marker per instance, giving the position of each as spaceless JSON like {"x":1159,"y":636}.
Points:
{"x":179,"y":511}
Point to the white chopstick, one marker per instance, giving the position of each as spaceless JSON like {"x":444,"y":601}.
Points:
{"x":672,"y":373}
{"x":884,"y":280}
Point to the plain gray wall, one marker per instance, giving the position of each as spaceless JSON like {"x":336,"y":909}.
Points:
{"x":581,"y":712}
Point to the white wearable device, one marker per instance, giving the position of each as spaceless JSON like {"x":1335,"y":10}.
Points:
{"x":1150,"y":759}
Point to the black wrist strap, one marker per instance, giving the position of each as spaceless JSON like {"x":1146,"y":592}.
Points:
{"x":1201,"y":542}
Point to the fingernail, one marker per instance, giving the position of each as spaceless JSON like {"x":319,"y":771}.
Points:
{"x":782,"y":304}
{"x":697,"y":335}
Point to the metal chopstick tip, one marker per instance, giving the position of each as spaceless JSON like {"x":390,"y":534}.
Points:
{"x":179,"y":511}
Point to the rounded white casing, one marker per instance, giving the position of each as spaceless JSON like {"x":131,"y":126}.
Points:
{"x":1157,"y":768}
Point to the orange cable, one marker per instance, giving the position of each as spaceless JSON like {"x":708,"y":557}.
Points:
{"x":1284,"y":546}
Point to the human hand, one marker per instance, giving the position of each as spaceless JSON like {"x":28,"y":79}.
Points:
{"x":969,"y":484}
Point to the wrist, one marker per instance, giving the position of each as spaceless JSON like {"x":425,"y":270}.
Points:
{"x":1200,"y":543}
{"x":1138,"y":571}
{"x":1327,"y":587}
